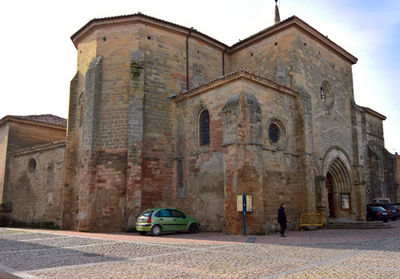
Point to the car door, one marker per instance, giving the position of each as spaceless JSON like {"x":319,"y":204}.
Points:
{"x":179,"y":219}
{"x":166,"y":220}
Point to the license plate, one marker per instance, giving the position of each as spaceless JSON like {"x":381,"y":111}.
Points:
{"x":384,"y":213}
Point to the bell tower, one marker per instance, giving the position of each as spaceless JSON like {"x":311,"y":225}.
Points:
{"x":277,"y":17}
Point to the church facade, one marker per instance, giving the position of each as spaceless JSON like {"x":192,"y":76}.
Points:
{"x":161,"y":115}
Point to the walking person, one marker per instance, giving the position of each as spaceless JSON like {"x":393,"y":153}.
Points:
{"x":282,"y":220}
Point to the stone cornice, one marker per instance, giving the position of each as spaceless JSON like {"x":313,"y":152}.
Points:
{"x":40,"y":147}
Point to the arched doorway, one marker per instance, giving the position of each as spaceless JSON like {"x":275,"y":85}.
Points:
{"x":339,"y":198}
{"x":329,"y":188}
{"x":339,"y":190}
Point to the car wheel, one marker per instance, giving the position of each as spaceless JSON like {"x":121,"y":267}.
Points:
{"x":142,"y":233}
{"x":156,"y":230}
{"x":193,"y":228}
{"x":394,"y":218}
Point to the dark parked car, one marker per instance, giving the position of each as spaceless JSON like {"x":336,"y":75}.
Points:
{"x":395,"y":210}
{"x":392,"y":209}
{"x":377,"y":213}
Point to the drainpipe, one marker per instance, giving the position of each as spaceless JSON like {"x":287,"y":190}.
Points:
{"x":223,"y":62}
{"x":187,"y":58}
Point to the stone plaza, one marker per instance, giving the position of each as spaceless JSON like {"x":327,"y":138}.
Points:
{"x":309,"y":254}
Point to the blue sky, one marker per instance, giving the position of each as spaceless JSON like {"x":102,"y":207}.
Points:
{"x":39,"y":60}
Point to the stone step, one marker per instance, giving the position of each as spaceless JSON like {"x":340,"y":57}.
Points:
{"x":358,"y":225}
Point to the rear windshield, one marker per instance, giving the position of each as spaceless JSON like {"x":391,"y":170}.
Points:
{"x":377,"y":208}
{"x":147,"y":212}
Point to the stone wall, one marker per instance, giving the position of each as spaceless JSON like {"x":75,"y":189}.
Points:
{"x":132,"y":71}
{"x":16,"y":135}
{"x":272,"y":57}
{"x":297,"y":60}
{"x":240,"y":158}
{"x":23,"y":135}
{"x":3,"y":157}
{"x":36,"y":178}
{"x":380,"y":163}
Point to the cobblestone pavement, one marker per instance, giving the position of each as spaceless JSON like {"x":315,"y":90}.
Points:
{"x":313,"y":254}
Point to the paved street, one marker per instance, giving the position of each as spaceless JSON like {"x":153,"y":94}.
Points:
{"x":310,"y":254}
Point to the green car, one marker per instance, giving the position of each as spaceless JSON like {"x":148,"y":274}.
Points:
{"x":157,"y":220}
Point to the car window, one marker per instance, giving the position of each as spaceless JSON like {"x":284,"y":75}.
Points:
{"x":165,"y":213}
{"x":147,"y":212}
{"x":177,"y":213}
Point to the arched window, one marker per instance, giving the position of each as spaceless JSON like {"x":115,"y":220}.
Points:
{"x":274,"y":132}
{"x":204,"y":128}
{"x":322,"y":94}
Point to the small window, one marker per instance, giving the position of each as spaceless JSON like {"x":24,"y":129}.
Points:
{"x":204,"y":128}
{"x":322,"y":94}
{"x":274,"y":133}
{"x":32,"y":165}
{"x":180,"y":173}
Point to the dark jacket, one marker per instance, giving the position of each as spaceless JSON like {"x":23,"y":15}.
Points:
{"x":282,"y":216}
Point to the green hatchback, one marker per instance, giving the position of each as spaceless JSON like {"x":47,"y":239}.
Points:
{"x":157,"y":220}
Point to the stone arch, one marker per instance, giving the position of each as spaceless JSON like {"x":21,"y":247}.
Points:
{"x":337,"y":188}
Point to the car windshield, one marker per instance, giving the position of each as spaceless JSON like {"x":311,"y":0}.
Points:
{"x":147,"y":212}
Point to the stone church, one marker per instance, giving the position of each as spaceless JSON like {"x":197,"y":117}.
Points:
{"x":164,"y":115}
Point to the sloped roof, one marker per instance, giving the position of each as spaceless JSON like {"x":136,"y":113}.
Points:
{"x":293,"y":21}
{"x":139,"y":17}
{"x":241,"y":73}
{"x":373,"y":112}
{"x":302,"y":26}
{"x":48,"y":119}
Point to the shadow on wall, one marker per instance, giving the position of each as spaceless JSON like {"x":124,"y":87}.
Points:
{"x":5,"y":209}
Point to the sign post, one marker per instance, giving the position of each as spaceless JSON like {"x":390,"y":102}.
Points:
{"x":244,"y":214}
{"x":244,"y":204}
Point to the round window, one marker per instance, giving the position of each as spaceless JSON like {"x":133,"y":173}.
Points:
{"x":32,"y":165}
{"x":274,"y":133}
